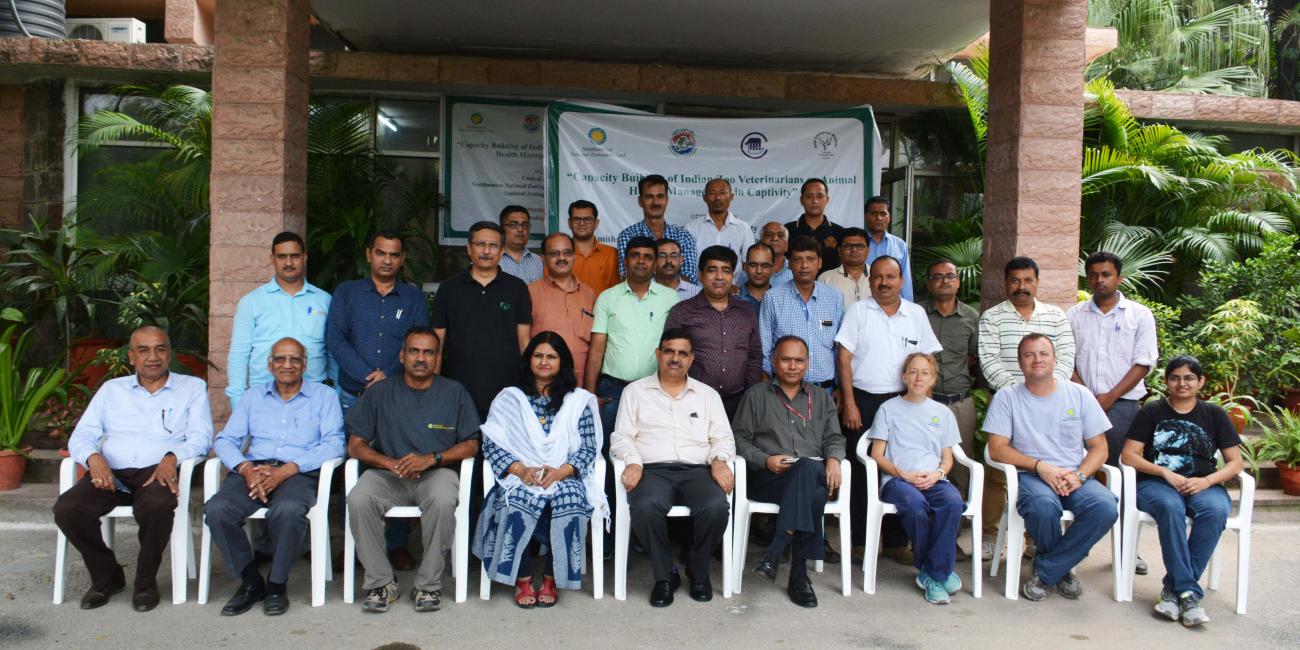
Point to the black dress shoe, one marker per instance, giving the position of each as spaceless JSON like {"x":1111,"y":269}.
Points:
{"x":801,"y":592}
{"x":662,"y":594}
{"x":276,"y":603}
{"x":243,"y":599}
{"x":701,"y":592}
{"x":145,"y":598}
{"x":767,"y":566}
{"x":99,"y":596}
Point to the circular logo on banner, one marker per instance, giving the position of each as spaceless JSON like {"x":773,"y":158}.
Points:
{"x":825,"y":143}
{"x":682,"y":142}
{"x":532,"y":122}
{"x":754,"y":145}
{"x":597,"y":136}
{"x":476,"y":118}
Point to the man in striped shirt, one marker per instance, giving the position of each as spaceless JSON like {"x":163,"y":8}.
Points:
{"x":1000,"y":330}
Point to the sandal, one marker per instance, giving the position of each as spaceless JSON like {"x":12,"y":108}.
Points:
{"x":525,"y":597}
{"x":546,"y":596}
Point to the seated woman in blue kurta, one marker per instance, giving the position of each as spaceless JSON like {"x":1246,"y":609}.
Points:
{"x":541,"y":442}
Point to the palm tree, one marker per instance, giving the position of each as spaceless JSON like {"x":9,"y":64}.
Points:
{"x":1191,"y":46}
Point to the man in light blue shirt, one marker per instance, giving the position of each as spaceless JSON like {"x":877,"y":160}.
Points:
{"x":131,"y":438}
{"x":287,"y":305}
{"x":881,"y":242}
{"x":292,"y":427}
{"x":804,"y":308}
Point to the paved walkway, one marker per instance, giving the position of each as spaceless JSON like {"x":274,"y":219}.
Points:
{"x":761,"y":617}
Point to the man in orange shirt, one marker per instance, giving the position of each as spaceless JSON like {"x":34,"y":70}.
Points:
{"x":561,"y":303}
{"x":594,"y":264}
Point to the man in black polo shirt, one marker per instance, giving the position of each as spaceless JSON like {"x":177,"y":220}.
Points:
{"x":482,"y":315}
{"x":814,"y":196}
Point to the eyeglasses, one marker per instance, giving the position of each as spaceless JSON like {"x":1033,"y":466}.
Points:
{"x":516,"y":225}
{"x":944,"y":277}
{"x":283,"y":360}
{"x":582,"y":220}
{"x":1185,"y":379}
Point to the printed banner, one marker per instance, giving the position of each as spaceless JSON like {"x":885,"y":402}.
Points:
{"x":598,"y":152}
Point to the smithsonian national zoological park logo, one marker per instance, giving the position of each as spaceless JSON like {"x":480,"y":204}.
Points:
{"x":682,"y":142}
{"x":476,"y":118}
{"x":597,"y":136}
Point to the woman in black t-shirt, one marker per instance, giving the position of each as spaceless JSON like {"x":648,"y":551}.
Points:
{"x":1172,"y":444}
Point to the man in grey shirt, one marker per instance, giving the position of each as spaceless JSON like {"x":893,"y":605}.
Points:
{"x":1053,"y":432}
{"x":412,"y":431}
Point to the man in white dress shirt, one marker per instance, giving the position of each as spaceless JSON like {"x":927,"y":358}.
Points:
{"x":720,"y":227}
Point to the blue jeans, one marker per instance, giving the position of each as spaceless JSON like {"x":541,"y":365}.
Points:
{"x":1095,"y":509}
{"x":609,"y":388}
{"x":931,"y":519}
{"x":1185,"y":555}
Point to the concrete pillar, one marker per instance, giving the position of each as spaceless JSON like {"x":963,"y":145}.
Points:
{"x":1032,"y":187}
{"x":12,"y":135}
{"x":259,"y":154}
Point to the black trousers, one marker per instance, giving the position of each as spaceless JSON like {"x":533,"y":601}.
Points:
{"x":801,"y":493}
{"x":286,"y":521}
{"x":664,"y":485}
{"x":892,"y":534}
{"x":77,"y":513}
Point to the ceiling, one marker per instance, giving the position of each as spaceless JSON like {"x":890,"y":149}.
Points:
{"x":878,"y":37}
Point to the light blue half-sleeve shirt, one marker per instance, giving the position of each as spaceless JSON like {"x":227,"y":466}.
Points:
{"x":267,"y":314}
{"x":306,"y":429}
{"x":134,"y":428}
{"x":895,"y":247}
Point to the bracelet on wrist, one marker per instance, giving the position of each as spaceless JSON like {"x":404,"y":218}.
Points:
{"x":1036,"y":465}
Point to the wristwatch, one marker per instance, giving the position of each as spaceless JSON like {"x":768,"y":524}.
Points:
{"x":1083,"y":478}
{"x":437,"y":459}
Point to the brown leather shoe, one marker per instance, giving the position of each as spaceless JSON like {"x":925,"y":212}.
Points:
{"x":899,"y":554}
{"x":832,"y":555}
{"x":401,"y":559}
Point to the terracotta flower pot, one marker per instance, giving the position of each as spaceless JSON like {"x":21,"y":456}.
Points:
{"x":1292,"y":400}
{"x":12,"y":465}
{"x":194,"y":365}
{"x":1240,"y":416}
{"x":1289,"y":476}
{"x":83,"y":353}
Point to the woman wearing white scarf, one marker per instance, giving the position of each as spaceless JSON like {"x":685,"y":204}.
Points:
{"x":541,"y":440}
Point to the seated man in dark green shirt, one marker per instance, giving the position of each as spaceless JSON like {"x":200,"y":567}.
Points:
{"x":788,"y":432}
{"x":412,"y":431}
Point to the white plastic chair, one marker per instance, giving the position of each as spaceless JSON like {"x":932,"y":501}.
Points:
{"x":597,"y":566}
{"x":1134,"y":518}
{"x":181,"y":545}
{"x":317,"y":516}
{"x":745,"y":507}
{"x":460,"y":547}
{"x":1011,"y":531}
{"x":623,"y":527}
{"x":877,"y":509}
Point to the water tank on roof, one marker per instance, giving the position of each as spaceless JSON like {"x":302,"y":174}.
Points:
{"x":43,"y":18}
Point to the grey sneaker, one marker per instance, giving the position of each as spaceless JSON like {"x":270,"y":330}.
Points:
{"x":426,"y":601}
{"x":988,"y":547}
{"x":1192,"y":612}
{"x":1035,"y":589}
{"x":1140,"y":566}
{"x":1167,"y":605}
{"x":1070,"y":586}
{"x":378,"y":599}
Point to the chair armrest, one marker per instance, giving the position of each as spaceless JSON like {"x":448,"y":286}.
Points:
{"x":742,"y":480}
{"x":873,"y":480}
{"x":975,"y":490}
{"x":67,"y":474}
{"x":1246,"y":509}
{"x":211,"y":478}
{"x":1129,"y":476}
{"x":846,"y":478}
{"x":351,"y":470}
{"x":1010,"y":471}
{"x":185,"y":480}
{"x":326,"y":478}
{"x":488,"y":479}
{"x":620,"y":492}
{"x":466,"y":481}
{"x":1114,"y":480}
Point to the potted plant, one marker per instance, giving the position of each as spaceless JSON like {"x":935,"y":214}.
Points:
{"x":1280,"y":443}
{"x":20,"y":396}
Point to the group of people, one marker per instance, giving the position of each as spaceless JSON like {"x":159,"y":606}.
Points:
{"x":672,"y":363}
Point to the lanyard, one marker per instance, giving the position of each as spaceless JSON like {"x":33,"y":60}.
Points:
{"x":786,"y":404}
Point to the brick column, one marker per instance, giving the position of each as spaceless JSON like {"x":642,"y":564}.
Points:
{"x":259,"y":154}
{"x":13,"y":132}
{"x":1032,"y":188}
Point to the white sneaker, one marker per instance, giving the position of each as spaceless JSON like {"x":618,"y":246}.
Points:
{"x":988,"y":546}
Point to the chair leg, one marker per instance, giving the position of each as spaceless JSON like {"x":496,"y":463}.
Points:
{"x":1119,"y":581}
{"x":620,"y":555}
{"x":319,"y":555}
{"x":597,"y":558}
{"x":728,"y":558}
{"x":205,"y":562}
{"x":871,"y":553}
{"x":820,"y":565}
{"x":349,"y":558}
{"x":997,"y":546}
{"x":191,"y":566}
{"x":1216,"y":565}
{"x":1015,"y":536}
{"x":846,"y":556}
{"x":461,"y":561}
{"x":977,"y":556}
{"x":60,"y":558}
{"x":177,"y":553}
{"x":742,"y":546}
{"x":1243,"y":568}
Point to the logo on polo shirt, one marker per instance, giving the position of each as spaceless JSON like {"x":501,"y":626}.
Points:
{"x":1070,"y":414}
{"x":934,"y":420}
{"x":505,"y":306}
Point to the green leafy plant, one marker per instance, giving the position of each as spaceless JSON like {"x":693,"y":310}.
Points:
{"x":1280,"y":441}
{"x":21,"y":394}
{"x":1231,"y":333}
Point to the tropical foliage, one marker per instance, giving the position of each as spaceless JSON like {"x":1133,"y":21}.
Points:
{"x":1191,"y":46}
{"x":21,"y":394}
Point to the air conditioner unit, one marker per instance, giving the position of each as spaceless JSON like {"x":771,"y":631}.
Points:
{"x":114,"y":30}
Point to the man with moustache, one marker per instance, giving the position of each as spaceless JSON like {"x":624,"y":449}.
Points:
{"x":652,"y":196}
{"x":1001,"y":329}
{"x":814,"y":196}
{"x":725,"y":328}
{"x":133,"y":435}
{"x":287,"y":305}
{"x":594,"y":264}
{"x":719,"y":226}
{"x":883,"y":242}
{"x":291,"y":427}
{"x":668,"y":269}
{"x":850,"y":278}
{"x":482,"y":317}
{"x":410,"y":433}
{"x":877,"y":335}
{"x":516,"y":259}
{"x":778,"y":239}
{"x":674,"y":436}
{"x":561,"y":303}
{"x":804,"y":308}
